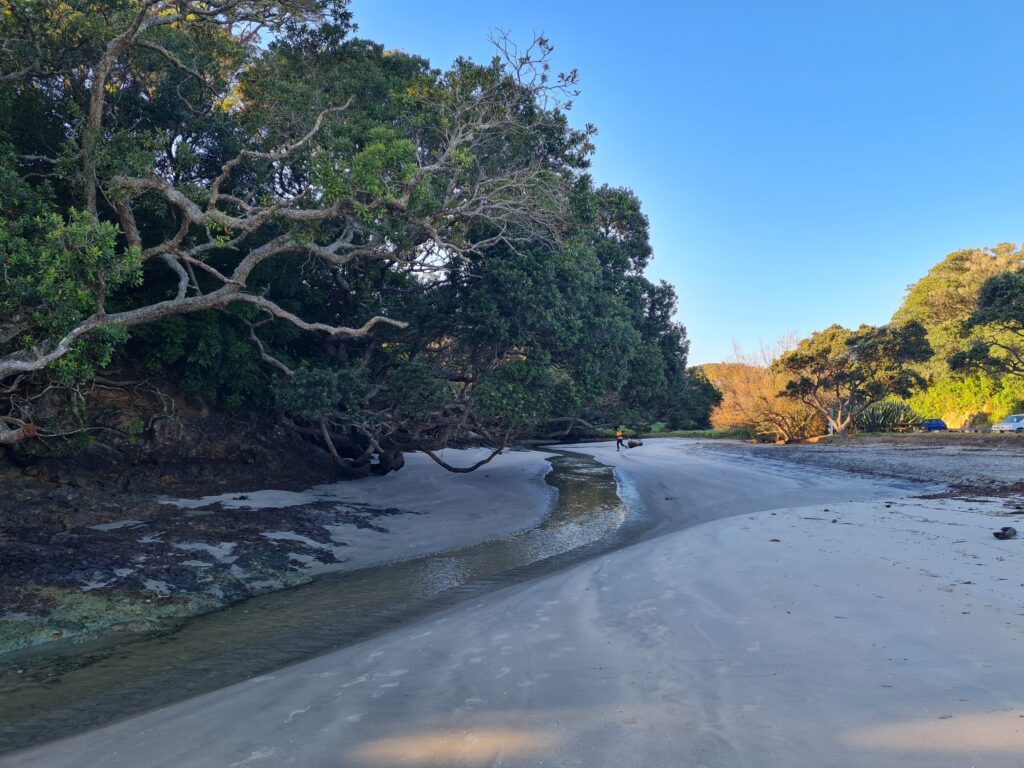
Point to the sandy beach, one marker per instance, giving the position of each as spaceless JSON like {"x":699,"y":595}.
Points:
{"x":774,"y":615}
{"x":434,"y":509}
{"x":188,"y":556}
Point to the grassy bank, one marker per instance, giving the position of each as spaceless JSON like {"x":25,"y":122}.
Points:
{"x":659,"y":429}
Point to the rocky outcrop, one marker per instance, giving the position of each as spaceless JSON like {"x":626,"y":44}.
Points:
{"x":86,"y":544}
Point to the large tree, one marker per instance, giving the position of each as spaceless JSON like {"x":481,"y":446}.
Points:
{"x":241,"y":200}
{"x":181,"y":156}
{"x":943,"y":301}
{"x":840,"y":373}
{"x":511,"y":342}
{"x":996,"y":328}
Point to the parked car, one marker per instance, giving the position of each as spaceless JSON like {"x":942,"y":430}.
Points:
{"x":933,"y":425}
{"x":1013,"y":423}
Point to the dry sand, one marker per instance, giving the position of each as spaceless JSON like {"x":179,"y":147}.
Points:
{"x":764,"y":635}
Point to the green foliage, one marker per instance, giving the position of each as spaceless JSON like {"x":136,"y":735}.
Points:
{"x":207,"y":355}
{"x":714,"y":434}
{"x":87,"y":357}
{"x":887,"y":416}
{"x":416,"y":391}
{"x":966,"y":381}
{"x":55,"y":273}
{"x":521,"y":282}
{"x":691,"y":401}
{"x":987,"y":382}
{"x":943,"y":300}
{"x":516,"y":395}
{"x":541,"y":332}
{"x":134,"y":430}
{"x":974,"y":400}
{"x":314,"y":394}
{"x":840,"y":373}
{"x":77,"y":267}
{"x":374,"y":173}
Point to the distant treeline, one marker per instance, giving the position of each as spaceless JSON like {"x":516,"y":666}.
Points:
{"x":954,"y":350}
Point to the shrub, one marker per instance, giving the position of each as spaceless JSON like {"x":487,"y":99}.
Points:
{"x":888,"y":416}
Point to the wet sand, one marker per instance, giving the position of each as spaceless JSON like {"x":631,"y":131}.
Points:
{"x":746,"y":629}
{"x":196,"y":555}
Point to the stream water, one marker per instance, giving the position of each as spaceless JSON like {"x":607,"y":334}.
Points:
{"x":53,"y":692}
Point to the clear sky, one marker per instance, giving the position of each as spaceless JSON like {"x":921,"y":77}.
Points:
{"x":801,"y":162}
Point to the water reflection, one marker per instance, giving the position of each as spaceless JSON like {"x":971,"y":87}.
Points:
{"x":1001,"y":731}
{"x":474,"y":747}
{"x":53,"y":692}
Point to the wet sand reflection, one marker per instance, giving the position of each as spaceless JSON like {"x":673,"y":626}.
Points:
{"x":456,"y":747}
{"x":1001,"y":731}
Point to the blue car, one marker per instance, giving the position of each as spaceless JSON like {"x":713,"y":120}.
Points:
{"x":933,"y":425}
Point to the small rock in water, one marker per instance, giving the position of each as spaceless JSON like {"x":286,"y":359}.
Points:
{"x":778,"y":541}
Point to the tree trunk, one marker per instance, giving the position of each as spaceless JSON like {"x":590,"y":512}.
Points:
{"x":392,"y":461}
{"x":463,"y":470}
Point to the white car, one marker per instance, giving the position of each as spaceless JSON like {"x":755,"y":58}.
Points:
{"x":1010,"y":423}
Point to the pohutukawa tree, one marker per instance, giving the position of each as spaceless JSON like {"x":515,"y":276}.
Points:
{"x":965,"y":385}
{"x":840,"y":373}
{"x":996,"y":326}
{"x":230,"y":172}
{"x":241,"y":199}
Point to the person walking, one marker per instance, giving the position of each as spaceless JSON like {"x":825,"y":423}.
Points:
{"x":618,"y":439}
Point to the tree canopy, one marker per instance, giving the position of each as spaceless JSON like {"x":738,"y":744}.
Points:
{"x":964,"y":385}
{"x":840,"y":373}
{"x":995,"y":328}
{"x":240,"y":200}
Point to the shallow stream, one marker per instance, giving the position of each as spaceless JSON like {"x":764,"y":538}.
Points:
{"x":55,"y":691}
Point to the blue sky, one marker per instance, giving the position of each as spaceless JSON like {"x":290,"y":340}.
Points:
{"x":801,"y":162}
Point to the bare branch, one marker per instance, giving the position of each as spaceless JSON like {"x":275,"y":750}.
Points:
{"x":268,"y":359}
{"x":35,"y":360}
{"x":157,"y":48}
{"x":338,"y":331}
{"x":183,"y":277}
{"x":101,"y":71}
{"x":21,"y":431}
{"x":463,"y":470}
{"x":278,"y":154}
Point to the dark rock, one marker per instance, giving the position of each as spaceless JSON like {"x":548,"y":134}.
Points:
{"x":54,"y":495}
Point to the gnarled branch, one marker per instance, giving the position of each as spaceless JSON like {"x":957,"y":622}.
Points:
{"x":463,"y":470}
